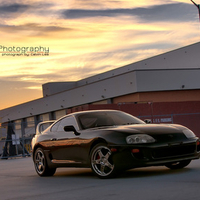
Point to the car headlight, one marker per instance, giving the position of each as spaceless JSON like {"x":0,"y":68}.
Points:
{"x":139,"y":139}
{"x":188,"y":133}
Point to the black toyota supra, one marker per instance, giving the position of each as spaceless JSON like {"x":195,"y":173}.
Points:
{"x":110,"y":141}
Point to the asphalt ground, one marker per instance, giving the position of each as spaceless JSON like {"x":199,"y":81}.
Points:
{"x":18,"y":180}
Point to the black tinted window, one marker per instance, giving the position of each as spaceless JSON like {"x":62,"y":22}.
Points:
{"x":98,"y":119}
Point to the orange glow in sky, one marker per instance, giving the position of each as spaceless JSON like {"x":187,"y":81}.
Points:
{"x":46,"y":41}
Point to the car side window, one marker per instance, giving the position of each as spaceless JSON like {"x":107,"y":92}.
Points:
{"x":67,"y":121}
{"x":55,"y":126}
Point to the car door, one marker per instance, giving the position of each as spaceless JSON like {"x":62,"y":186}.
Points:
{"x":66,"y":145}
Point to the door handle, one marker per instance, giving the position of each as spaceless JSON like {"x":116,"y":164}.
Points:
{"x":53,"y":139}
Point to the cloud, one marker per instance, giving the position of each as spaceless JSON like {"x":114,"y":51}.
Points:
{"x":178,"y":12}
{"x":36,"y":28}
{"x":13,"y":10}
{"x":86,"y":37}
{"x":17,"y":92}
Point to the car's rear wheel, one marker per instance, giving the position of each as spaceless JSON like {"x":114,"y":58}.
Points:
{"x":101,"y":161}
{"x":178,"y":165}
{"x":40,"y":163}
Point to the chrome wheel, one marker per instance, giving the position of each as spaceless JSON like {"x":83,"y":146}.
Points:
{"x":40,"y":163}
{"x":101,"y":162}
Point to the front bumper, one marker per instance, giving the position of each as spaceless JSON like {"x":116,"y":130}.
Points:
{"x":133,"y":156}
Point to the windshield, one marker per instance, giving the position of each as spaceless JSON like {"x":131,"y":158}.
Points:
{"x":112,"y":118}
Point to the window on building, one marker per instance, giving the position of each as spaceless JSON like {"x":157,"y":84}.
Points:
{"x":17,"y":124}
{"x":30,"y":122}
{"x":60,"y":113}
{"x":44,"y":117}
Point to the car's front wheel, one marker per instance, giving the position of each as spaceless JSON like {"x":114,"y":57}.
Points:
{"x":178,"y":165}
{"x":101,"y":161}
{"x":40,"y":163}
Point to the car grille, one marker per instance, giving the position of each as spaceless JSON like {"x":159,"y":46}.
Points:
{"x":173,"y":151}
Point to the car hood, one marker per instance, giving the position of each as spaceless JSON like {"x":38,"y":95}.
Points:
{"x":152,"y":128}
{"x":161,"y":132}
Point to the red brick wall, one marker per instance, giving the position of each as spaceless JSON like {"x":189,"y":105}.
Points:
{"x":184,"y":113}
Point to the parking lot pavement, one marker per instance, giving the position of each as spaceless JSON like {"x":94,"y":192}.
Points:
{"x":18,"y":180}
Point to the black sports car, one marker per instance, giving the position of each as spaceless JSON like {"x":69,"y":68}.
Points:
{"x":110,"y":141}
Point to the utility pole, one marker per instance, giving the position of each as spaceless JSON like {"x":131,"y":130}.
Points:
{"x":198,"y":7}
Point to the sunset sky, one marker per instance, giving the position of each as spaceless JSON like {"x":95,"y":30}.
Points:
{"x":57,"y":40}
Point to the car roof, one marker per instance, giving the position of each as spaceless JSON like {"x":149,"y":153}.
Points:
{"x":92,"y":111}
{"x":87,"y":111}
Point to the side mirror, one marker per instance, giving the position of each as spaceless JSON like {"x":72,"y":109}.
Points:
{"x":71,"y":128}
{"x":147,"y":121}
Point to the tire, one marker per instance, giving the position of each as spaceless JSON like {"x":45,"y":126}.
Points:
{"x":40,"y":164}
{"x":178,"y":165}
{"x":101,"y":161}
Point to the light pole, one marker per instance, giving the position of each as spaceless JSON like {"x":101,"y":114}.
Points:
{"x":198,"y":7}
